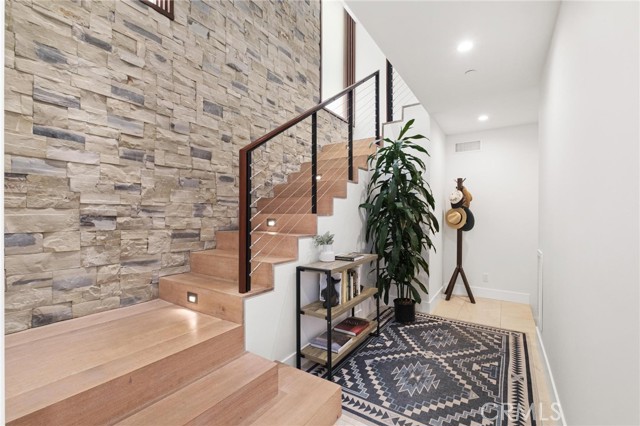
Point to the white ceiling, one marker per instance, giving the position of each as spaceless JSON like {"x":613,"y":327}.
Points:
{"x":511,"y":41}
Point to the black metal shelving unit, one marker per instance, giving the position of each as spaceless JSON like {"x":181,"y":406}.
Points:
{"x":315,"y":309}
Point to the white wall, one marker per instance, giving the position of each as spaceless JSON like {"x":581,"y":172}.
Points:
{"x":437,"y":180}
{"x":333,"y":39}
{"x":589,"y":197}
{"x":503,"y":179}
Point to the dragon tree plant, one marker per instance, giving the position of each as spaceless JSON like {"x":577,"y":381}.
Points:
{"x":400,"y":219}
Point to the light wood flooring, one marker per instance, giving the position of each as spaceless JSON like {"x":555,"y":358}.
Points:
{"x":497,"y":313}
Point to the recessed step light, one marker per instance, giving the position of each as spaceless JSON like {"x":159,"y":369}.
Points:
{"x":192,"y":297}
{"x":271,"y":222}
{"x":465,"y":46}
{"x":483,"y":117}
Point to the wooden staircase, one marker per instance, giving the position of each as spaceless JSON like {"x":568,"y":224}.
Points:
{"x":174,"y":362}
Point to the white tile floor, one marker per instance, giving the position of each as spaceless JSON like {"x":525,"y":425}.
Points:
{"x":496,"y":313}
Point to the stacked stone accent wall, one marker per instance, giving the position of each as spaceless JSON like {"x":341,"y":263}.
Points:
{"x":122,"y":131}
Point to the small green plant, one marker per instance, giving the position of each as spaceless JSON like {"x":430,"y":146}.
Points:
{"x":325,"y":239}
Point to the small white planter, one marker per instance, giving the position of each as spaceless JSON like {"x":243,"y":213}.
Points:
{"x":327,"y":254}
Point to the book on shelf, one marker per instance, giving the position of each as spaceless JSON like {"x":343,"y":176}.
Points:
{"x":352,"y":326}
{"x":339,"y":341}
{"x":350,"y":257}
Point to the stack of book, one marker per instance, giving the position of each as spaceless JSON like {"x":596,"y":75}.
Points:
{"x":343,"y":334}
{"x":352,"y":326}
{"x":339,"y":342}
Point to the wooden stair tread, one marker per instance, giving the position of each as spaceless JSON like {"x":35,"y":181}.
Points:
{"x":234,"y":255}
{"x":303,"y":399}
{"x":46,"y":370}
{"x":216,"y":396}
{"x":216,"y":284}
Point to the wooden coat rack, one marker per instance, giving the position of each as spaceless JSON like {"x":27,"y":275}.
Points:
{"x":459,"y":270}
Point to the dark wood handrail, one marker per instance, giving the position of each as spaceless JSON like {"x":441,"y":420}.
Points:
{"x":261,"y":140}
{"x":244,"y":213}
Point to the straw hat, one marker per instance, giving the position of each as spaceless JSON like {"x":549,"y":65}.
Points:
{"x":467,"y":197}
{"x":456,"y":218}
{"x":456,"y":198}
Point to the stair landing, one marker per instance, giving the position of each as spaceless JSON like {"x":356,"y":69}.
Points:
{"x":111,"y":363}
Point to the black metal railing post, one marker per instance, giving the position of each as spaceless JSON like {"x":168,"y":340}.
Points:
{"x":314,"y":163}
{"x":350,"y":140}
{"x":389,"y":91}
{"x":377,"y":89}
{"x":244,"y":223}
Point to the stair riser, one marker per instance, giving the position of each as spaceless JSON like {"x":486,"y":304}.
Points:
{"x":125,"y":394}
{"x":299,"y":206}
{"x":358,"y":144}
{"x":227,"y":268}
{"x":287,"y":245}
{"x":227,"y":240}
{"x":325,"y":188}
{"x":343,"y":154}
{"x":220,"y":305}
{"x":237,"y":407}
{"x":330,"y":165}
{"x":297,"y":224}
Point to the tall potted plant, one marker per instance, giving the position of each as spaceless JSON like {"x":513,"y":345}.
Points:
{"x":400,"y":220}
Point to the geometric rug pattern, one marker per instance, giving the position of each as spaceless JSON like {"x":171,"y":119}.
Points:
{"x":438,"y":372}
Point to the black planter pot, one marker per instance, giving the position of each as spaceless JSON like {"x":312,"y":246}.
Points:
{"x":405,"y":310}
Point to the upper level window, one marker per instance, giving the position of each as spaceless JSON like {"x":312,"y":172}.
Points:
{"x":165,"y":7}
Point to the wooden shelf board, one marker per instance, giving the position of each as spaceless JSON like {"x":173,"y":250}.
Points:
{"x":315,"y":309}
{"x":320,"y":356}
{"x":338,"y":265}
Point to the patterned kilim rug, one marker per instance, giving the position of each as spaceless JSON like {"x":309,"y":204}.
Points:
{"x":438,"y":372}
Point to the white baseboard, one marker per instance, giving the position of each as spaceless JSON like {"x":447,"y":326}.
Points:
{"x":492,"y":293}
{"x":435,"y":300}
{"x":550,"y":375}
{"x":289,"y":360}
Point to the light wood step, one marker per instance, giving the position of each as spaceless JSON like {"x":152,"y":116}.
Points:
{"x":95,"y":369}
{"x":335,"y":174}
{"x":359,"y":161}
{"x":224,"y":264}
{"x":215,"y":296}
{"x":227,"y":396}
{"x":303,"y":400}
{"x":287,"y":243}
{"x":295,"y":205}
{"x":343,"y":153}
{"x":357,"y":144}
{"x":324,"y":188}
{"x":305,"y":223}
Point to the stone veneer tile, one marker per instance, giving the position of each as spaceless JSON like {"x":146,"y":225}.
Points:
{"x":121,"y":137}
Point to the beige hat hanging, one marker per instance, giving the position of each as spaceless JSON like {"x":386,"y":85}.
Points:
{"x":456,"y":218}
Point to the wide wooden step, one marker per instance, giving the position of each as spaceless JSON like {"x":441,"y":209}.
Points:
{"x":224,"y":264}
{"x":328,"y":165}
{"x":303,"y":400}
{"x":357,"y":144}
{"x":227,"y":396}
{"x":101,"y":368}
{"x":343,"y":153}
{"x":304,"y":223}
{"x":296,"y":205}
{"x":324,"y":188}
{"x":287,"y":243}
{"x":213,"y":296}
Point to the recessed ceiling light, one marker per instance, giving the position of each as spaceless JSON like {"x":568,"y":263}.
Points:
{"x":483,"y":117}
{"x":465,"y":46}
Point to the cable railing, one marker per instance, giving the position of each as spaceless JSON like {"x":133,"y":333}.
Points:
{"x":277,"y":158}
{"x":398,"y":94}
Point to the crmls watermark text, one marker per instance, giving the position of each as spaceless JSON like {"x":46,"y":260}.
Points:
{"x":495,"y":411}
